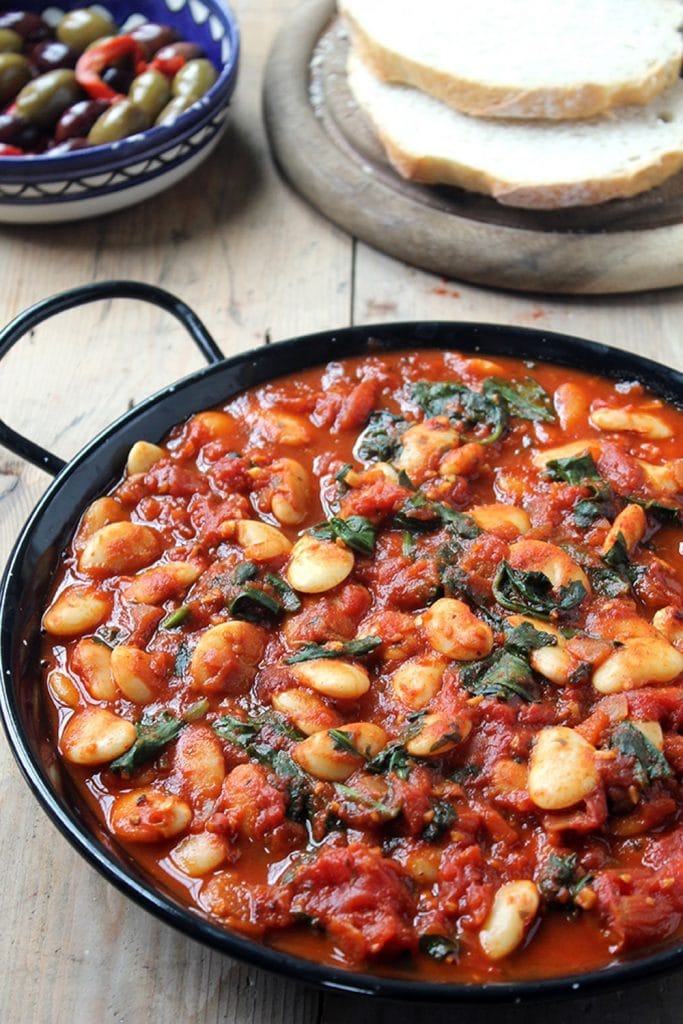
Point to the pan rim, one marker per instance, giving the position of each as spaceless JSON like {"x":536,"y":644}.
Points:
{"x":398,"y":335}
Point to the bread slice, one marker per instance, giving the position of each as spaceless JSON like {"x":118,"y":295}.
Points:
{"x":540,"y":165}
{"x":550,"y":59}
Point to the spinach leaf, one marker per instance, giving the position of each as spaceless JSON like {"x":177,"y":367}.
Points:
{"x":381,"y":439}
{"x":288,"y":598}
{"x":182,"y":660}
{"x":525,"y":399}
{"x":608,"y":583}
{"x":175,"y":618}
{"x":439,"y":947}
{"x":342,"y":741}
{"x":444,"y":816}
{"x":562,"y":879}
{"x":335,"y":649}
{"x":356,"y":797}
{"x":503,"y":674}
{"x":601,"y":504}
{"x":525,"y":637}
{"x":465,"y":773}
{"x":236,"y":731}
{"x":356,"y":532}
{"x":471,"y":408}
{"x":245,"y":571}
{"x":532,"y":592}
{"x":669,"y":515}
{"x":650,"y":763}
{"x":394,"y":758}
{"x":154,"y":733}
{"x":455,"y":583}
{"x":418,"y":513}
{"x":576,"y":469}
{"x":253,"y":605}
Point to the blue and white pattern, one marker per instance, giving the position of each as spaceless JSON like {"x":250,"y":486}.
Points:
{"x":85,"y":183}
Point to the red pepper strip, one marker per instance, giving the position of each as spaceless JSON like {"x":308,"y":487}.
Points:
{"x":93,"y":62}
{"x":169,"y":66}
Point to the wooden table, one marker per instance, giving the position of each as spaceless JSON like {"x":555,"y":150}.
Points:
{"x":256,"y":263}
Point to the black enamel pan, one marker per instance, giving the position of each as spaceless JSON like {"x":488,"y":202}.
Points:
{"x":100,"y":463}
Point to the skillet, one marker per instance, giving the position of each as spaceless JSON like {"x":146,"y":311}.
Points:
{"x":98,"y":465}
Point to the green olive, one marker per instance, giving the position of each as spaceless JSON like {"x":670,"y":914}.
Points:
{"x":194,"y":78}
{"x":81,"y":27}
{"x":122,"y":119}
{"x":15,"y":72}
{"x":174,"y":109}
{"x":150,"y":91}
{"x":10,"y":42}
{"x":44,"y":100}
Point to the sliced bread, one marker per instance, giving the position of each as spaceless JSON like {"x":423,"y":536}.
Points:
{"x":539,"y":165}
{"x":551,"y":59}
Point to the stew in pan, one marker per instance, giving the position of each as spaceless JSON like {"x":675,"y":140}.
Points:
{"x":383,"y":664}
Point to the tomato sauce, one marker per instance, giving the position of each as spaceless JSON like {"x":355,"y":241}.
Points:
{"x":382,"y":664}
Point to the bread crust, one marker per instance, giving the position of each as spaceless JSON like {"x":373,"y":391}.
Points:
{"x":486,"y":99}
{"x":555,"y":196}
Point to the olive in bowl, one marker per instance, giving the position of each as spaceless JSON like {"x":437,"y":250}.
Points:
{"x":102,"y":107}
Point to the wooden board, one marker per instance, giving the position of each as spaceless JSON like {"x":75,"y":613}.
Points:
{"x":327,"y":149}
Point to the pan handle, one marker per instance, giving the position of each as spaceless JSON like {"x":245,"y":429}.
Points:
{"x":80,"y":296}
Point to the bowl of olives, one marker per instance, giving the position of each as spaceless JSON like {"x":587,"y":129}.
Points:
{"x":106,"y":105}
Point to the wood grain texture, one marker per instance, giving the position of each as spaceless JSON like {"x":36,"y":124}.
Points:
{"x":237,"y":244}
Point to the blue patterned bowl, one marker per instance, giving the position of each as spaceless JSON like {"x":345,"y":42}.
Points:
{"x":89,"y":182}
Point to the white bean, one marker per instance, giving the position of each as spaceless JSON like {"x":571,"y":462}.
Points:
{"x":415,"y":682}
{"x":154,"y":586}
{"x":91,"y":661}
{"x":290,"y":491}
{"x":439,"y":733}
{"x":120,"y":548}
{"x":515,"y":905}
{"x":666,"y":479}
{"x":132,"y":672}
{"x":284,"y":427}
{"x":63,"y":688}
{"x":214,"y":425}
{"x":148,"y":816}
{"x":259,"y":541}
{"x":566,"y":451}
{"x":631,"y":523}
{"x":652,"y":427}
{"x":554,"y":663}
{"x":227,"y":654}
{"x":199,"y":854}
{"x":423,"y":445}
{"x":332,"y":677}
{"x":493,"y":517}
{"x":102,"y":512}
{"x":96,"y":736}
{"x":562,"y":768}
{"x":77,"y":610}
{"x":325,"y":757}
{"x":198,"y":758}
{"x":142,"y":457}
{"x":651,"y":731}
{"x":640,"y":661}
{"x":552,"y":561}
{"x":452,"y":629}
{"x":306,"y":711}
{"x":669,"y":622}
{"x":318,"y":565}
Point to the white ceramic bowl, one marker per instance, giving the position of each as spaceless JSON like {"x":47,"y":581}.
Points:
{"x":88,"y":182}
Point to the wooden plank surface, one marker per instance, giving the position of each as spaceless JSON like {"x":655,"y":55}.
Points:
{"x":253,"y":260}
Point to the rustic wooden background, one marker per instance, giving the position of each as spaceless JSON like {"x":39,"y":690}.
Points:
{"x":254,"y":261}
